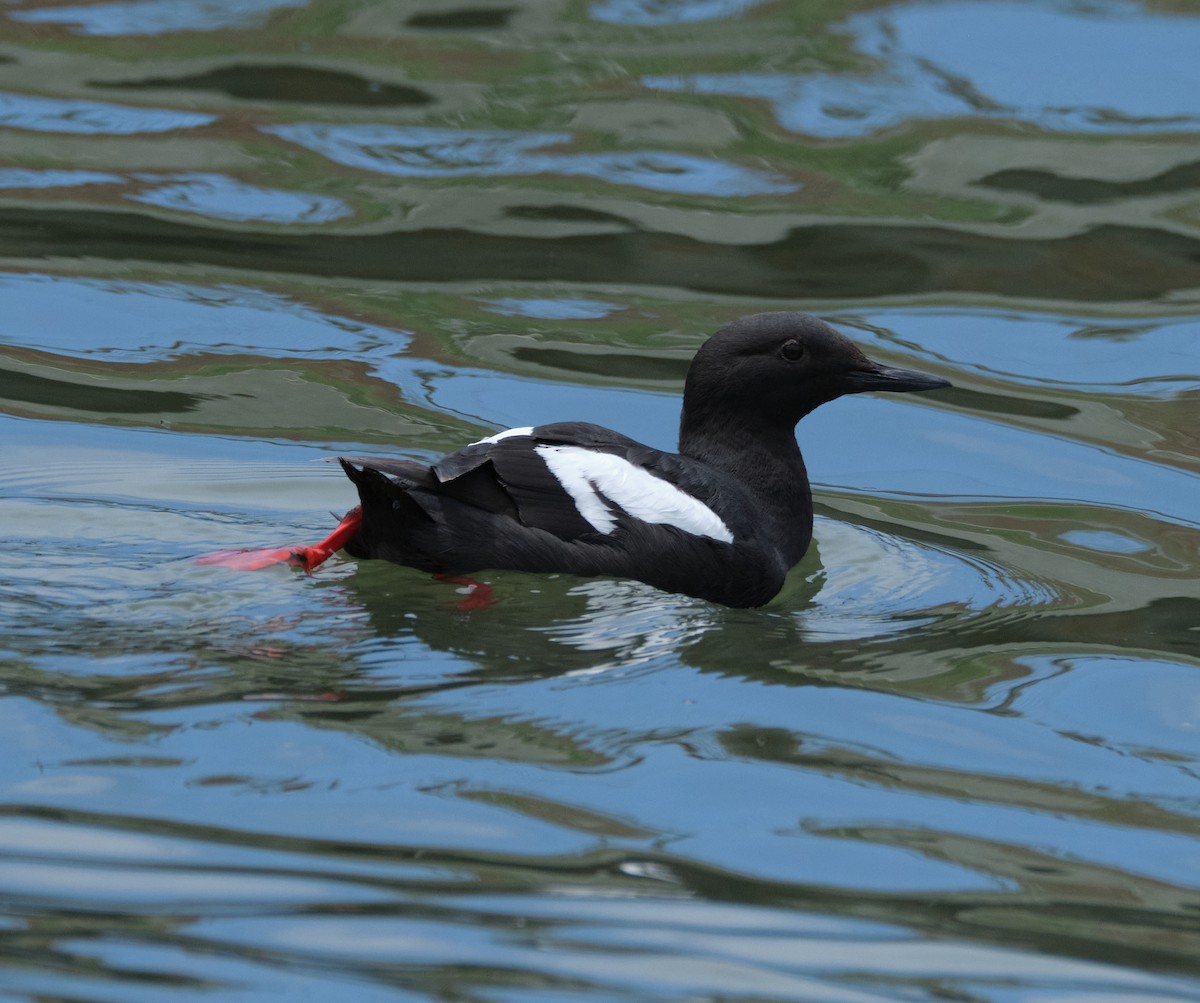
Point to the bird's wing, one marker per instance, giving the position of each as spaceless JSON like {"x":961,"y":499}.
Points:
{"x":511,"y":466}
{"x":576,"y":480}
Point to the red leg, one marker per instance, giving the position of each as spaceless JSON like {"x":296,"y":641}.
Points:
{"x":308,"y":558}
{"x":480,"y":596}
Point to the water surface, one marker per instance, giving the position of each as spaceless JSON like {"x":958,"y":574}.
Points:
{"x":956,"y":758}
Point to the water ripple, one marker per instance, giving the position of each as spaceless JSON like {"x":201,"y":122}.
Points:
{"x":875,"y":584}
{"x":1130,"y":356}
{"x":134,"y":321}
{"x":650,"y":13}
{"x":417,"y":152}
{"x":221,"y":197}
{"x":216,"y":196}
{"x":573,"y":308}
{"x":1001,"y":60}
{"x":93,"y":118}
{"x":156,"y":17}
{"x":955,"y":758}
{"x":20,"y":177}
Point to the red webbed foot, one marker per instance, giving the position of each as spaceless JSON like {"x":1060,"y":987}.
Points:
{"x":305,"y":558}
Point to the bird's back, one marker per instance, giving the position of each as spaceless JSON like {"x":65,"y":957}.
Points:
{"x":571,"y":497}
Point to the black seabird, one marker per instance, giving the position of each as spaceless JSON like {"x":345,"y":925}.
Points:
{"x":723,"y":519}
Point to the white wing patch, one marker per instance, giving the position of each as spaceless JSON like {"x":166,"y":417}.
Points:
{"x":586,"y":474}
{"x":524,"y":430}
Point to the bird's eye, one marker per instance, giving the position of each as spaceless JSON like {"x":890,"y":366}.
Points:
{"x":792,"y":350}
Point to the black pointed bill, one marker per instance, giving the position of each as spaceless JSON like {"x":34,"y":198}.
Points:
{"x":880,"y":377}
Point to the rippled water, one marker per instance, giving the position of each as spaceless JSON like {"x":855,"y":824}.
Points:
{"x":956,"y":759}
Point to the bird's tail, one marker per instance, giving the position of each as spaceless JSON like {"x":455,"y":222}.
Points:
{"x":385,"y":503}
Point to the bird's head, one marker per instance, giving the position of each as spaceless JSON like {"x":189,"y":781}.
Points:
{"x":775,"y":368}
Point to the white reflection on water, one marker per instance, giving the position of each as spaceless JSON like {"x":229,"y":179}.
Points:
{"x":417,"y":152}
{"x":870,"y":585}
{"x":629,"y":950}
{"x":877,"y":585}
{"x":156,"y":17}
{"x":627,"y":624}
{"x":18,"y":835}
{"x":97,"y":118}
{"x":1108,"y":66}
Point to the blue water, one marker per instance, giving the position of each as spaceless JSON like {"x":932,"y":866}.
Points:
{"x":957,"y":756}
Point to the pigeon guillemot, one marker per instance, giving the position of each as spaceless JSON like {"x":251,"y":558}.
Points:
{"x":723,"y":519}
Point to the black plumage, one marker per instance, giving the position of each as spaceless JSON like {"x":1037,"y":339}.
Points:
{"x":724,"y":519}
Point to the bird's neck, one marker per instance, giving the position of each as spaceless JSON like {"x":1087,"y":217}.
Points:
{"x":766,"y":460}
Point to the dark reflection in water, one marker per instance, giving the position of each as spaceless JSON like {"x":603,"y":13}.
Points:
{"x":463,"y":18}
{"x":606,"y":364}
{"x":272,"y":82}
{"x":817,"y":261}
{"x":1090,"y":191}
{"x":28,"y":388}
{"x":568,"y":214}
